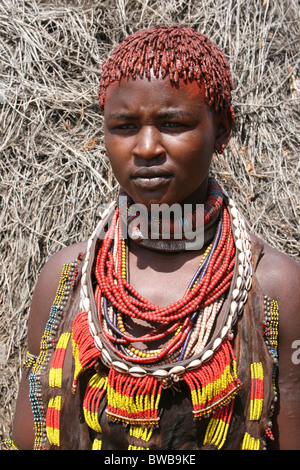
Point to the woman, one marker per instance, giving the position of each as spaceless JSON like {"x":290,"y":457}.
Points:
{"x":163,"y":330}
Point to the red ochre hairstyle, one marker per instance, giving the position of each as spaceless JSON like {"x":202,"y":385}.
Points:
{"x":177,"y":52}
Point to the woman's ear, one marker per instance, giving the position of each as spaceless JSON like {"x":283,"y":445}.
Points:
{"x":224,"y":128}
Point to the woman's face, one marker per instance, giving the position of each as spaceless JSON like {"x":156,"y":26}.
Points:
{"x":160,"y":140}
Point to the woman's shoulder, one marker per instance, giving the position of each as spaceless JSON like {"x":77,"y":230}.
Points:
{"x":279,"y":278}
{"x":45,"y":291}
{"x":277,"y":273}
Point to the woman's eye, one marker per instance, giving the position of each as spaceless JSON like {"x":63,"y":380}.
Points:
{"x":172,"y":124}
{"x":125,"y":126}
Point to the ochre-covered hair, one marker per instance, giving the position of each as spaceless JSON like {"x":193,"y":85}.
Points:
{"x":177,"y":52}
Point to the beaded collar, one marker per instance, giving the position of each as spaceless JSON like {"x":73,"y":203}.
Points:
{"x":189,"y":227}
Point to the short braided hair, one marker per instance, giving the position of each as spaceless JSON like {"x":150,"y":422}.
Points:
{"x":177,"y":52}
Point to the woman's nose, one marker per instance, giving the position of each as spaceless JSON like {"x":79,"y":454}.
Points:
{"x":148,"y":144}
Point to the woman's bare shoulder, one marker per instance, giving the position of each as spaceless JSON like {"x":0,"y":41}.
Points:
{"x":279,"y":278}
{"x":277,"y":273}
{"x":45,"y":291}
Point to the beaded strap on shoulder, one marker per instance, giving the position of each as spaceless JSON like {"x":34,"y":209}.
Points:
{"x":237,"y":297}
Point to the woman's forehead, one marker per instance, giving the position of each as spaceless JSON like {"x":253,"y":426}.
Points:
{"x":147,"y":92}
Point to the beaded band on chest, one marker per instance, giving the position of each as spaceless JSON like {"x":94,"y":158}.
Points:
{"x":237,"y":297}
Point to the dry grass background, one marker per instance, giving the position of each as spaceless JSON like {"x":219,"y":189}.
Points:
{"x":54,"y":173}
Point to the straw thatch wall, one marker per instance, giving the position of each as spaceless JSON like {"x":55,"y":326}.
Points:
{"x":54,"y":174}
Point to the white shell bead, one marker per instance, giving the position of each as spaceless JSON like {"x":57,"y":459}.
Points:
{"x":244,"y":296}
{"x":235,"y":294}
{"x":119,"y":366}
{"x":92,"y":329}
{"x":236,"y":223}
{"x":248,"y":283}
{"x":224,"y":331}
{"x":242,"y":257}
{"x":247,"y":245}
{"x":83,"y":279}
{"x":234,"y":211}
{"x":106,"y":357}
{"x":137,"y":372}
{"x":195,"y":363}
{"x":243,"y":236}
{"x":239,"y":282}
{"x":239,"y":244}
{"x":160,"y":373}
{"x":237,"y":233}
{"x":86,"y":304}
{"x":229,"y":322}
{"x":207,"y":355}
{"x":217,"y":343}
{"x":247,"y":271}
{"x":84,"y":267}
{"x":84,"y":289}
{"x":177,"y":370}
{"x":241,"y":270}
{"x":233,"y":307}
{"x":98,"y":343}
{"x":248,"y":255}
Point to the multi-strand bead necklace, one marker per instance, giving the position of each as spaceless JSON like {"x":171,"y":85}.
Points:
{"x":191,"y":346}
{"x":116,"y":299}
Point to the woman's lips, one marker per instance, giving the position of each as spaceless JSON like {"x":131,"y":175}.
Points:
{"x":151,"y":182}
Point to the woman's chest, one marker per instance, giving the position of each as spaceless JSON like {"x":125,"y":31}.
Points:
{"x":162,"y":278}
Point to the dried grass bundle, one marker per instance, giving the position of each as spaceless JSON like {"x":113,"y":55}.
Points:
{"x":54,"y":172}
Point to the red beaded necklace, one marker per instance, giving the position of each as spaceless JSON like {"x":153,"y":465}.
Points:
{"x":113,"y":289}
